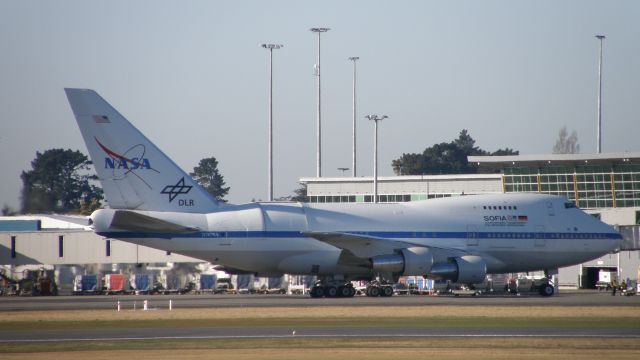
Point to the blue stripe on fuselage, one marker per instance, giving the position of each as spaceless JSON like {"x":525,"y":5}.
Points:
{"x":377,"y":234}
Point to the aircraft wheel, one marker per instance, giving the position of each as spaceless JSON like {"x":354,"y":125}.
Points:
{"x":352,"y":291}
{"x":317,"y":292}
{"x":546,"y":290}
{"x":344,"y":291}
{"x":332,"y":291}
{"x":373,"y":291}
{"x":386,"y":291}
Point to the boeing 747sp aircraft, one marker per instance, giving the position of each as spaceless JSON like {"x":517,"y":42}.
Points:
{"x":152,"y":202}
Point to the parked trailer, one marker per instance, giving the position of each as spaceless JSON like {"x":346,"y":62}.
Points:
{"x":116,"y":284}
{"x":87,"y":285}
{"x":172,"y":283}
{"x":205,"y":283}
{"x":140,"y":283}
{"x":45,"y":287}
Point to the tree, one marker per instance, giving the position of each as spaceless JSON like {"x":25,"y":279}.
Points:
{"x":444,"y":158}
{"x":408,"y":164}
{"x":207,"y":175}
{"x":8,"y":210}
{"x":566,"y":144}
{"x":59,"y":181}
{"x":505,"y":152}
{"x":86,"y":208}
{"x":300,"y":194}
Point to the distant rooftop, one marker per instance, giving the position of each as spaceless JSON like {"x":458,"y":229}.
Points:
{"x":403,"y":178}
{"x":606,"y":158}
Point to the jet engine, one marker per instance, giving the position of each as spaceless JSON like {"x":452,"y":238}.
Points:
{"x":415,"y":261}
{"x":467,"y":269}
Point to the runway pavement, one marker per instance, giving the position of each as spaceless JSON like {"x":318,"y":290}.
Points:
{"x":566,"y":298}
{"x":36,"y":336}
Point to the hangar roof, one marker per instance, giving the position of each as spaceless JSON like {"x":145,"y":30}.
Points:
{"x":574,"y":159}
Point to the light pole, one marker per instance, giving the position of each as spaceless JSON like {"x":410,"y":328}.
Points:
{"x":375,"y":119}
{"x":599,"y":146}
{"x":319,"y":146}
{"x":353,"y":163}
{"x":270,"y":47}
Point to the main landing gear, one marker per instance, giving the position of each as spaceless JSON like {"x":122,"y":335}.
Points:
{"x":332,"y":290}
{"x":376,"y":288}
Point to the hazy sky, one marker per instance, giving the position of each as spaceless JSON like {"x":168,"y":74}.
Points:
{"x":192,"y":76}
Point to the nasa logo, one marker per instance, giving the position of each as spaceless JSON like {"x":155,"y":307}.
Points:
{"x":129,"y":162}
{"x":124,"y":162}
{"x":121,"y":163}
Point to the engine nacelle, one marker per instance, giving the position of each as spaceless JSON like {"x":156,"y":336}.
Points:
{"x":467,"y":269}
{"x":415,"y":261}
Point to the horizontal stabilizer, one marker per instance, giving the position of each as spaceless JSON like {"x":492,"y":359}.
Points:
{"x":132,"y":221}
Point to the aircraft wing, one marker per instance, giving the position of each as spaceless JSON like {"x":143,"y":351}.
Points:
{"x":131,"y":221}
{"x":361,"y":246}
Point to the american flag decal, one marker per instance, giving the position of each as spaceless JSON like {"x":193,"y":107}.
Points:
{"x":522,"y":218}
{"x":101,"y":119}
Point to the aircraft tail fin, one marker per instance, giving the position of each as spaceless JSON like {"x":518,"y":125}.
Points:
{"x":134,"y":173}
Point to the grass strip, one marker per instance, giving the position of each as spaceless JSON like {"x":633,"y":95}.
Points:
{"x":365,"y":345}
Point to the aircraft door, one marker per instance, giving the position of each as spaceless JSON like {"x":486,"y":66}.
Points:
{"x":472,"y":235}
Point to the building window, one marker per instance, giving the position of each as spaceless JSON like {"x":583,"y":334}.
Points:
{"x":60,"y":246}
{"x":13,"y":247}
{"x":108,"y":248}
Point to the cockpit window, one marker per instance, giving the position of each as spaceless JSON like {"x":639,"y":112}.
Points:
{"x":569,"y":205}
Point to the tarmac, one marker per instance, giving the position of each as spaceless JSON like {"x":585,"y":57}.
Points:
{"x":568,"y":298}
{"x":564,"y":298}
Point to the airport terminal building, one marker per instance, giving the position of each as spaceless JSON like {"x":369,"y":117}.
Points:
{"x":591,"y":181}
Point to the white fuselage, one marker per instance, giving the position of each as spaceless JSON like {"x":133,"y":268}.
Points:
{"x":511,"y":232}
